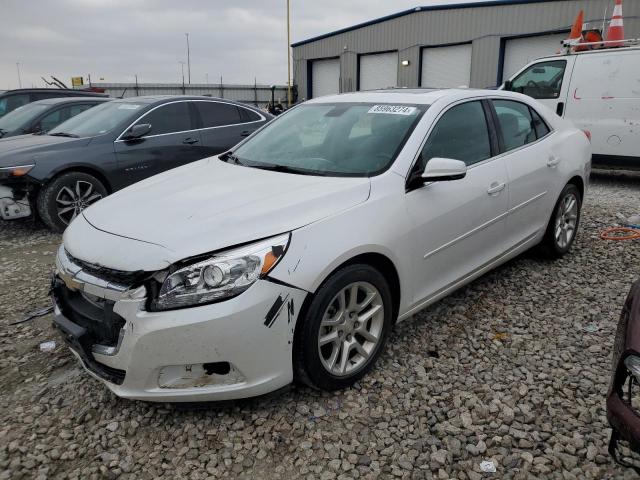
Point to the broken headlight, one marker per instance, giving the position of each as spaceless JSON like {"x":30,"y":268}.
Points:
{"x":224,"y":275}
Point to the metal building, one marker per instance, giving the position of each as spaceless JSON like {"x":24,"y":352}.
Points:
{"x":473,"y":44}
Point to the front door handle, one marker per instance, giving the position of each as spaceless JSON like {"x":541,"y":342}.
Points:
{"x":552,"y":161}
{"x":496,"y":188}
{"x":190,"y":141}
{"x":560,"y":108}
{"x":246,"y":133}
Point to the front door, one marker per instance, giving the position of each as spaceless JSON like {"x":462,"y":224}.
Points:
{"x":458,"y":225}
{"x":171,"y":142}
{"x":546,"y":81}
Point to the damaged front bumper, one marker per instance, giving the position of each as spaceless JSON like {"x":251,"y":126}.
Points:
{"x":238,"y":348}
{"x":14,"y":202}
{"x":623,"y":399}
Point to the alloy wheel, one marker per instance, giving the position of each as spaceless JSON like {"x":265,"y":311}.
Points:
{"x":566,"y":220}
{"x":351,"y":329}
{"x":71,"y":201}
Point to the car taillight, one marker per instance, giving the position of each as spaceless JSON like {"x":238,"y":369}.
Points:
{"x":588,"y":134}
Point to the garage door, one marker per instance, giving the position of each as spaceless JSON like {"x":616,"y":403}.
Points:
{"x":325,"y":77}
{"x":520,"y":51}
{"x":379,"y":70}
{"x":446,"y":66}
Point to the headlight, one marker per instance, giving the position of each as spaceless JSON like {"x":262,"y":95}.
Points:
{"x":632,"y":363}
{"x":225,"y":274}
{"x":13,"y":172}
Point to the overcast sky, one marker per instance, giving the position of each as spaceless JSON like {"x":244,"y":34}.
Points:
{"x":116,"y":39}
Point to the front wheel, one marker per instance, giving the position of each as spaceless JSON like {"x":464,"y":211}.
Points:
{"x":345,"y":328}
{"x":63,"y":198}
{"x":563,"y":225}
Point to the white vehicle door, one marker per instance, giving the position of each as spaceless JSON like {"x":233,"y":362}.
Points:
{"x":532,"y":166}
{"x":548,"y":81}
{"x":459,"y":224}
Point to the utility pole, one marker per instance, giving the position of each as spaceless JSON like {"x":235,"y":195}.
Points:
{"x":182,"y":65}
{"x":188,"y":59}
{"x":19,"y":77}
{"x":288,"y":54}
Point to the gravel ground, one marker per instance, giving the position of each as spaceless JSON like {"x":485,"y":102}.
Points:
{"x":508,"y":369}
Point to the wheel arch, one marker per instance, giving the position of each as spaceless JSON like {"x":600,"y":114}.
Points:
{"x":90,"y":170}
{"x":579,"y":183}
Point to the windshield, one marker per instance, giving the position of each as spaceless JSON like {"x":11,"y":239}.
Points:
{"x":20,"y":116}
{"x":337,"y":139}
{"x":98,"y":120}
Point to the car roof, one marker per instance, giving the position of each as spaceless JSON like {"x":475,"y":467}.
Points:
{"x":415,"y":96}
{"x":59,"y":100}
{"x":62,"y":91}
{"x":159,"y":99}
{"x":600,"y":51}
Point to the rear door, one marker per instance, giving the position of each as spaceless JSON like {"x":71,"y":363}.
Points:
{"x":548,"y":81}
{"x":172,"y":142}
{"x":532,"y":165}
{"x":222,"y":125}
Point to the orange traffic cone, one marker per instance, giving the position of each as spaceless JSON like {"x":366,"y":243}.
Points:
{"x":616,"y":29}
{"x":576,"y":31}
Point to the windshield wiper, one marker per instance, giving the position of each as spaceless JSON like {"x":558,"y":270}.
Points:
{"x":230,"y":156}
{"x":287,"y":169}
{"x":64,"y":134}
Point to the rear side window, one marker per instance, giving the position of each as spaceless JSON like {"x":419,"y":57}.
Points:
{"x":171,"y":118}
{"x":515,"y":122}
{"x":217,"y":114}
{"x":541,"y":80}
{"x":249,"y":115}
{"x":460,"y":134}
{"x":539,"y":124}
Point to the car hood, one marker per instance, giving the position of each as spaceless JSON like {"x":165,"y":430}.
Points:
{"x":209,"y":205}
{"x":25,"y":148}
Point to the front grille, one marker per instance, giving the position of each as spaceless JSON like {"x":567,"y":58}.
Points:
{"x":108,"y":274}
{"x":101,"y":326}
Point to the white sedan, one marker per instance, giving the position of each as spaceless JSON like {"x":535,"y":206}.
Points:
{"x":292,"y":256}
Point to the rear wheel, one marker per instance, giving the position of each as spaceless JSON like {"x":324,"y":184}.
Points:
{"x":564,"y":222}
{"x":345,"y":328}
{"x":64,"y":197}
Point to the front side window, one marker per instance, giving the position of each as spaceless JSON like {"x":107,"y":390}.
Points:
{"x":515,"y":122}
{"x":52,"y":119}
{"x":170,"y":118}
{"x":99,"y":120}
{"x":336,"y":139}
{"x":460,"y":134}
{"x":541,"y":80}
{"x":216,"y":114}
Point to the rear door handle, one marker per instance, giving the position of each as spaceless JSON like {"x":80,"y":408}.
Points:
{"x":496,"y":188}
{"x":552,"y":161}
{"x":190,"y":141}
{"x":246,"y":133}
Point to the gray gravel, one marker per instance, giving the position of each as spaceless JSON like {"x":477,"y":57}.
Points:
{"x":513,"y":368}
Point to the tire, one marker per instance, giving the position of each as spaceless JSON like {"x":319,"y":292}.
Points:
{"x":557,"y":242}
{"x":64,"y":197}
{"x":311,"y":361}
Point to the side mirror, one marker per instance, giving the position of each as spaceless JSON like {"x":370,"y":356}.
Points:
{"x":444,"y":169}
{"x":137,"y":131}
{"x":508,"y":85}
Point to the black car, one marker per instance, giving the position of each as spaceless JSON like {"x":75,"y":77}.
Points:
{"x":111,"y":146}
{"x":43,"y":115}
{"x":12,"y":99}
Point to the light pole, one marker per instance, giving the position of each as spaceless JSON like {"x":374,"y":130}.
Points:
{"x":188,"y":59}
{"x":288,"y":55}
{"x":19,"y":77}
{"x":182,"y":67}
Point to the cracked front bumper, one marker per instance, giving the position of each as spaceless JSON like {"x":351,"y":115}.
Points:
{"x":14,"y":203}
{"x":175,"y":355}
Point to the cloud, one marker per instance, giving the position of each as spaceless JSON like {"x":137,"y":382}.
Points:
{"x":117,"y":39}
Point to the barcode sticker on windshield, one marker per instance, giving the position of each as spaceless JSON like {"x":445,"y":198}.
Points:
{"x":128,"y":106}
{"x":392,"y":109}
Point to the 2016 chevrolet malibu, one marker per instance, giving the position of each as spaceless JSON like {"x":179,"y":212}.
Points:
{"x":292,"y":256}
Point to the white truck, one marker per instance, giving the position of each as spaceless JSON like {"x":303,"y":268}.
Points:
{"x":599,"y":90}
